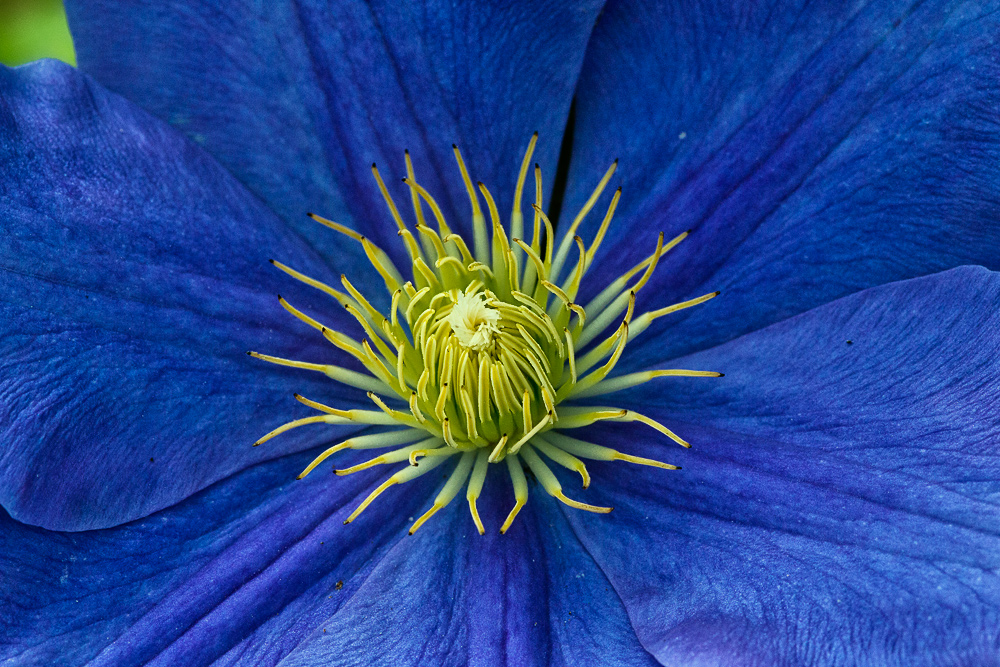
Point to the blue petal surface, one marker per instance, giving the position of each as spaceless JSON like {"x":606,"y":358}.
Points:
{"x":133,"y":279}
{"x":814,"y":148}
{"x":258,"y":565}
{"x":299,"y":98}
{"x":448,"y":597}
{"x":841,"y":502}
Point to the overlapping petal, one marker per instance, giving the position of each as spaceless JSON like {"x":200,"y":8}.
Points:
{"x":257,"y":565}
{"x":133,"y":279}
{"x":250,"y":565}
{"x":449,"y":597}
{"x":815,"y":149}
{"x":299,"y":98}
{"x":840,"y":503}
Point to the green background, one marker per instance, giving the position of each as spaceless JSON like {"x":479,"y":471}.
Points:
{"x":33,"y":29}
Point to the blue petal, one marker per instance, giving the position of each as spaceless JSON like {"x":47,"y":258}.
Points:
{"x":257,"y":556}
{"x":840,"y":502}
{"x":447,"y":596}
{"x":258,"y":565}
{"x":815,"y":149}
{"x":133,"y":279}
{"x":299,"y":98}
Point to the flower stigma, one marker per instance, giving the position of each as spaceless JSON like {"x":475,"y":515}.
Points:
{"x":473,"y":322}
{"x":484,"y":351}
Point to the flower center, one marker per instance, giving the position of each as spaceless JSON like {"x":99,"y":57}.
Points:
{"x":473,"y":323}
{"x":484,"y":353}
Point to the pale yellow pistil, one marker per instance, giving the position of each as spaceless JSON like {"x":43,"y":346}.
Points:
{"x":473,"y":322}
{"x":483,"y":351}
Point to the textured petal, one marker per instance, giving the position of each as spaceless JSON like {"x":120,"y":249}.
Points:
{"x":299,"y":98}
{"x":841,"y":502}
{"x":449,"y":597}
{"x":133,"y":279}
{"x":249,"y":566}
{"x":815,"y":149}
{"x":247,"y":570}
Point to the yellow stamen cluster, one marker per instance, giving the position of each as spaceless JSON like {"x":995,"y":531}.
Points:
{"x":482,"y":348}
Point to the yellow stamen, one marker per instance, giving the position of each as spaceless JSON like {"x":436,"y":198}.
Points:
{"x":367,"y":442}
{"x":552,"y":486}
{"x":476,"y":486}
{"x":450,"y":490}
{"x":407,"y":474}
{"x":480,"y":354}
{"x":520,"y":490}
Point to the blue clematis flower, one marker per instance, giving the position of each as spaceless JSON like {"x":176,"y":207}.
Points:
{"x":837,"y":163}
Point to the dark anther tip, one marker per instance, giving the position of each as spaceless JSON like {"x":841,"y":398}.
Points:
{"x":374,"y":166}
{"x":690,"y":231}
{"x":271,"y":260}
{"x":310,"y":214}
{"x":406,"y":151}
{"x":616,"y":161}
{"x":454,"y":145}
{"x":249,"y":353}
{"x":722,"y":375}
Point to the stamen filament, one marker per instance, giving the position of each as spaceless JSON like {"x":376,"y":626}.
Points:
{"x":295,"y":423}
{"x":552,"y":486}
{"x":411,"y":245}
{"x":450,"y":490}
{"x":621,"y":382}
{"x":395,"y":456}
{"x":516,"y":217}
{"x":633,"y":416}
{"x":342,"y":375}
{"x":407,"y":474}
{"x":567,"y":239}
{"x":312,"y":282}
{"x":600,"y":302}
{"x":478,"y":221}
{"x":563,"y":458}
{"x":609,"y":314}
{"x":646,"y":319}
{"x":484,"y":348}
{"x":372,"y":441}
{"x":476,"y":486}
{"x":589,"y":450}
{"x":520,"y":490}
